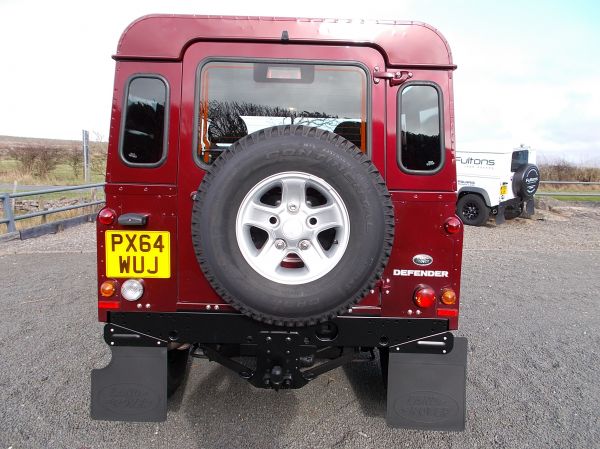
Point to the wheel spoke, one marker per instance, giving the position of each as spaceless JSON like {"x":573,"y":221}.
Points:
{"x":327,"y":217}
{"x":269,"y":257}
{"x":314,"y":257}
{"x":293,"y":191}
{"x":258,"y":215}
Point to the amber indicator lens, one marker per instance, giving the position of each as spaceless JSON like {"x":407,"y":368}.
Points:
{"x":424,"y":296}
{"x":108,"y":288}
{"x":107,"y":216}
{"x":448,"y":296}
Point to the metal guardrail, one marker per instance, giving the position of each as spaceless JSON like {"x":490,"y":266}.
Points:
{"x":579,"y":193}
{"x":10,"y":218}
{"x":572,"y":182}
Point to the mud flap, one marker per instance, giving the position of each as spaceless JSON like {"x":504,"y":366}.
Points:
{"x":500,"y":219}
{"x":428,"y":391}
{"x":530,"y":207}
{"x":133,"y":387}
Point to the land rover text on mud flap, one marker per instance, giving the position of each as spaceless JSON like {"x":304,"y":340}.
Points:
{"x":499,"y":183}
{"x":280,"y":198}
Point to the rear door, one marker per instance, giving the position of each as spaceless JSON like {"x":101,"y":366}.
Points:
{"x":231,"y":90}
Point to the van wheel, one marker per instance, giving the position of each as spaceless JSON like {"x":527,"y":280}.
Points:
{"x":472,"y":210}
{"x":292,"y":225}
{"x":512,"y":212}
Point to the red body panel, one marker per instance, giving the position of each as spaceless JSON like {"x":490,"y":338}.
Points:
{"x":407,"y":44}
{"x":422,"y":202}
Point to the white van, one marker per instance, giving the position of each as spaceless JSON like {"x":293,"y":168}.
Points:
{"x":500,"y":183}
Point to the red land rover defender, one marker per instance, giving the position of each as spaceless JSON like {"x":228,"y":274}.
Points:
{"x":280,"y":197}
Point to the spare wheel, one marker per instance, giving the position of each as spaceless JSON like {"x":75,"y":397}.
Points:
{"x":526,"y":181}
{"x":292,"y":225}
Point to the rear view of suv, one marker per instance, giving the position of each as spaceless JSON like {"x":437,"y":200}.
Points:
{"x":497,"y":183}
{"x":280,"y":199}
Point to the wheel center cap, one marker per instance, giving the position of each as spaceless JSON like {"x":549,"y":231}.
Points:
{"x":292,"y":229}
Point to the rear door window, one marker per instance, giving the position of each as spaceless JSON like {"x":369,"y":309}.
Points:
{"x":519,"y":158}
{"x":420,"y":145}
{"x":144,"y":136}
{"x":238,"y":98}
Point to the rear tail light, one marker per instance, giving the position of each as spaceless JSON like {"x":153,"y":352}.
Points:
{"x":452,"y":225}
{"x":424,"y":296}
{"x":107,"y":216}
{"x":108,"y":288}
{"x":448,"y":296}
{"x":132,"y":289}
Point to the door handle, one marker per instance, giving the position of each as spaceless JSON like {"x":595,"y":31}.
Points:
{"x":395,"y":78}
{"x":133,"y":219}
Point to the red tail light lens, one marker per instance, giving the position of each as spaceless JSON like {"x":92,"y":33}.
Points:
{"x":424,"y":296}
{"x":107,"y":216}
{"x":452,"y":225}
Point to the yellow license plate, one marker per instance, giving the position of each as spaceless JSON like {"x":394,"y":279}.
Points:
{"x":143,"y":254}
{"x":503,"y":190}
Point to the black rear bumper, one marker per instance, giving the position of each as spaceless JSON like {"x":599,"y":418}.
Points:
{"x":285,"y":357}
{"x":159,"y":329}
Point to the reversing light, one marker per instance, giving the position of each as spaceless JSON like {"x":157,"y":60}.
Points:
{"x":132,"y":290}
{"x":452,"y":225}
{"x":448,"y":296}
{"x":108,"y":288}
{"x":107,"y":216}
{"x":424,"y":296}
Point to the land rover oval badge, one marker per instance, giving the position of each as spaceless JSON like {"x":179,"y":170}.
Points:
{"x":423,"y":260}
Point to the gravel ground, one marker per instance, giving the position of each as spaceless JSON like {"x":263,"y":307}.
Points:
{"x":529,"y":308}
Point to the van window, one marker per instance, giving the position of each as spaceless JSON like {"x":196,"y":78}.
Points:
{"x":519,"y":158}
{"x":419,"y":125}
{"x":144,"y":138}
{"x":239,"y":98}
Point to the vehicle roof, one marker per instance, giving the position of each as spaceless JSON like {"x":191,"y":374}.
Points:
{"x":403,"y":44}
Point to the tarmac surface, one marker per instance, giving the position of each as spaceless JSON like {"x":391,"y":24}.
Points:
{"x":529,"y":306}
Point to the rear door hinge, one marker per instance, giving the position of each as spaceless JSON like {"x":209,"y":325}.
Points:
{"x":396,"y":78}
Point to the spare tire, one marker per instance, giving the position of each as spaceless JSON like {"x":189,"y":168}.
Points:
{"x":292,"y":225}
{"x":526,"y":181}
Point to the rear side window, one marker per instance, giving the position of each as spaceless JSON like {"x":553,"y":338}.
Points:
{"x":143,"y":140}
{"x":419,"y":128}
{"x":238,"y":98}
{"x":519,"y":158}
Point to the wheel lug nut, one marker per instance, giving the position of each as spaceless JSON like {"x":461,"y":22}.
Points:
{"x":304,"y":244}
{"x":292,"y":207}
{"x":280,"y":244}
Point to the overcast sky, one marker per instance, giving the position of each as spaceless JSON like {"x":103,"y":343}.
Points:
{"x":528,"y":70}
